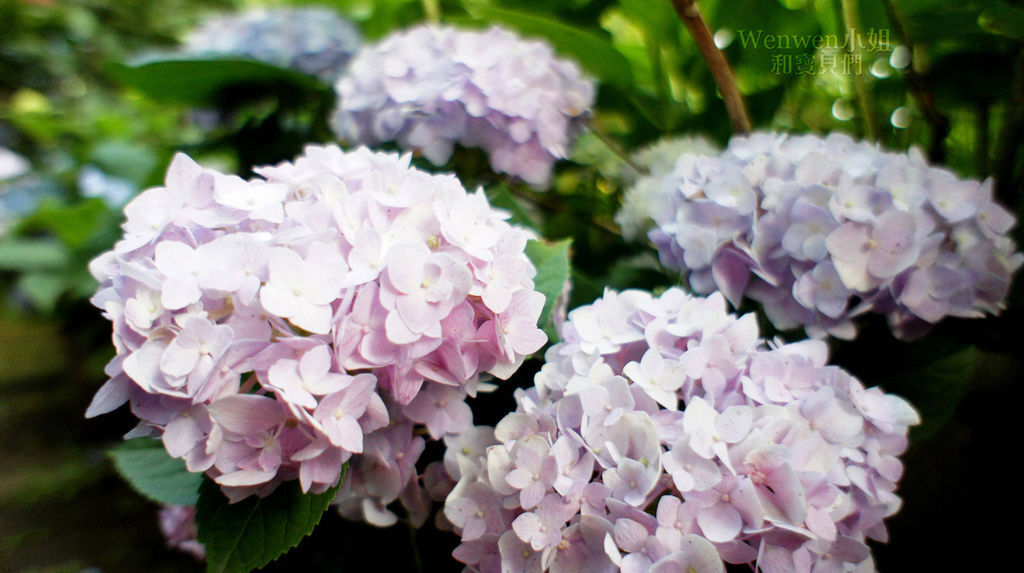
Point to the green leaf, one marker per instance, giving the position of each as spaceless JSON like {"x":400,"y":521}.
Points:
{"x":595,"y":53}
{"x":74,"y":224}
{"x":659,"y":18}
{"x":146,"y":465}
{"x":126,"y":159}
{"x":205,"y":81}
{"x":502,"y":199}
{"x":552,"y":263}
{"x":935,"y":389}
{"x":43,"y":289}
{"x":26,"y":255}
{"x":250,"y":534}
{"x":1003,"y":20}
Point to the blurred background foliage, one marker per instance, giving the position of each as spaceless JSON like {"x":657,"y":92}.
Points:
{"x":92,"y":95}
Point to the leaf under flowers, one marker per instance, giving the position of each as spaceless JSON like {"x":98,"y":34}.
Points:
{"x":552,"y":263}
{"x":145,"y":464}
{"x":248,"y":535}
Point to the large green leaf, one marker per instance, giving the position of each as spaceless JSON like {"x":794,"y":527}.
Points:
{"x":209,"y":81}
{"x":250,"y":534}
{"x":552,"y":263}
{"x":151,"y":471}
{"x":593,"y":52}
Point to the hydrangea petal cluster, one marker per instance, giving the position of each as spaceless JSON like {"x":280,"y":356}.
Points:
{"x":315,"y":41}
{"x":640,"y":201}
{"x":431,"y":87}
{"x":663,"y":434}
{"x":271,"y":329}
{"x":819,"y":230}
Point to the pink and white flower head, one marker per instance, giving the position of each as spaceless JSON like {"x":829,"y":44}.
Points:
{"x":663,"y":434}
{"x":431,"y":87}
{"x":273,"y":329}
{"x":819,"y":230}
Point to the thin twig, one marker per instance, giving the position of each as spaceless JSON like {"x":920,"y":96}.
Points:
{"x":720,"y":70}
{"x":920,"y":91}
{"x":615,"y":149}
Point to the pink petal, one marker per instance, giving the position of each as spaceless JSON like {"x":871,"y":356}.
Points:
{"x":246,"y":413}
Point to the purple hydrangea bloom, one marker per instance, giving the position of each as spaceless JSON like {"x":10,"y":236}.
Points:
{"x":820,"y":230}
{"x":315,"y":41}
{"x":641,"y":201}
{"x":431,"y":87}
{"x":765,"y":455}
{"x":178,"y":525}
{"x":273,"y":329}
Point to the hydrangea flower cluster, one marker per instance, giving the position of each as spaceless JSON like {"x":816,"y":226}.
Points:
{"x":820,"y":230}
{"x":639,"y":203}
{"x":272,"y":329}
{"x":315,"y":41}
{"x":431,"y":87}
{"x":663,"y":435}
{"x":178,"y":526}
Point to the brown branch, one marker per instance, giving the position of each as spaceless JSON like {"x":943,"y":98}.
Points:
{"x":720,"y":70}
{"x":921,"y":91}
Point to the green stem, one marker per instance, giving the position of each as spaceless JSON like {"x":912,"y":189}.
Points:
{"x":432,"y":11}
{"x":614,"y":148}
{"x":920,"y":90}
{"x":662,"y":85}
{"x":982,"y":137}
{"x":851,"y":20}
{"x":416,"y":559}
{"x":720,"y":70}
{"x":1008,"y":145}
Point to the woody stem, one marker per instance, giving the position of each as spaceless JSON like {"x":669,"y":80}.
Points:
{"x":720,"y":70}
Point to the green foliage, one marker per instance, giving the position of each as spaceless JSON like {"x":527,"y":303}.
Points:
{"x":251,"y":533}
{"x":211,"y":81}
{"x":592,"y":51}
{"x":25,"y":255}
{"x":1003,"y":20}
{"x":146,"y":465}
{"x":552,"y":262}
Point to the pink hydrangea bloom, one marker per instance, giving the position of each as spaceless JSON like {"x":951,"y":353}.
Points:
{"x":765,"y":456}
{"x":432,"y":87}
{"x":819,"y":230}
{"x":323,"y":321}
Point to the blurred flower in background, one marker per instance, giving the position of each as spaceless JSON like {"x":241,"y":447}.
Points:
{"x":430,"y":88}
{"x":315,"y":41}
